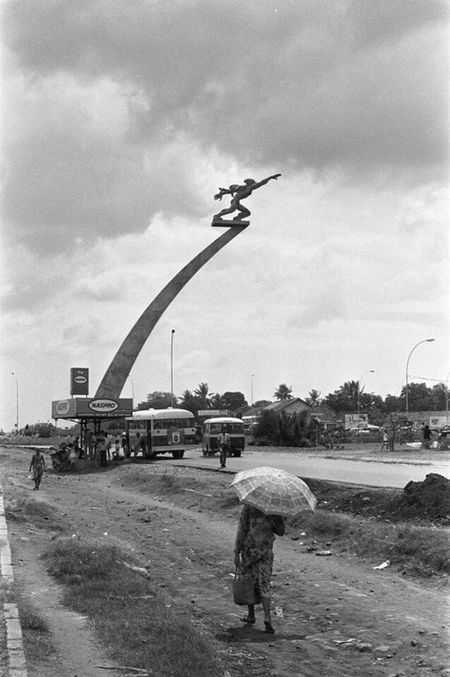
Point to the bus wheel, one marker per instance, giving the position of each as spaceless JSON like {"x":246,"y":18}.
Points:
{"x":181,"y":453}
{"x":237,"y":453}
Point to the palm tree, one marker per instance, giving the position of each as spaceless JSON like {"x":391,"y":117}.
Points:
{"x":215,"y":401}
{"x":283,"y":392}
{"x":202,"y":393}
{"x":189,"y":402}
{"x":314,"y":398}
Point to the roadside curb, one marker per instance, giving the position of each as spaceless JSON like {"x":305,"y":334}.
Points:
{"x":17,"y":666}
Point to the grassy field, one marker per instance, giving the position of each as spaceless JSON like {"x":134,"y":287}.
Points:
{"x":102,"y":583}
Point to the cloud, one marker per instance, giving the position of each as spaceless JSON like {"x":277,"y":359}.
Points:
{"x":113,"y":108}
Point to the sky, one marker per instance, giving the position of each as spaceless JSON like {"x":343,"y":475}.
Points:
{"x":120,"y":121}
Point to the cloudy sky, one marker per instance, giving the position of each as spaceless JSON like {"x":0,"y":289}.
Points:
{"x":120,"y":121}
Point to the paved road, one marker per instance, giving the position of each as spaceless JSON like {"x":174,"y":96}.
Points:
{"x":386,"y":473}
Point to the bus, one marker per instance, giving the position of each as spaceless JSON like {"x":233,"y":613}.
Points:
{"x":212,"y":429}
{"x":160,"y":431}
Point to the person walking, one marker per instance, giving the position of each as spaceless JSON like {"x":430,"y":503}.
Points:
{"x":224,"y":445}
{"x":384,"y":439}
{"x":253,"y":554}
{"x":38,"y":466}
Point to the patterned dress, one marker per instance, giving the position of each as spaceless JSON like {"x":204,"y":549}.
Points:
{"x":254,"y":541}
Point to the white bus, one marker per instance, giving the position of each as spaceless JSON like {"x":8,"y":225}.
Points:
{"x":214,"y":427}
{"x":160,"y":431}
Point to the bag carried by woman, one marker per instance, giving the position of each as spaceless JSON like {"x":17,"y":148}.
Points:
{"x":244,"y":591}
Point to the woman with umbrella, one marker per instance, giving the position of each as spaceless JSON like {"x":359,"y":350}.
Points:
{"x":253,"y":554}
{"x":268,"y":495}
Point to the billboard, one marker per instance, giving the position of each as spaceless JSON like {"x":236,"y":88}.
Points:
{"x":358,"y":421}
{"x":92,"y":407}
{"x":79,"y":381}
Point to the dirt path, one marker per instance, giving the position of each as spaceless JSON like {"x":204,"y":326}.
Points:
{"x":333,"y":616}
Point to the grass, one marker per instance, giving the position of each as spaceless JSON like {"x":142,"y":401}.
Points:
{"x":37,"y":639}
{"x":131,"y":617}
{"x":28,"y":510}
{"x":415,"y":550}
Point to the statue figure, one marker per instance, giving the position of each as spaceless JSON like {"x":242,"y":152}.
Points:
{"x":238,"y":193}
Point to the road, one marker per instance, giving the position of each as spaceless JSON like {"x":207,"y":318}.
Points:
{"x":387,"y":471}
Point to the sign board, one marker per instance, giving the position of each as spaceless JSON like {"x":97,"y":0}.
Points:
{"x":438,"y":422}
{"x":358,"y":421}
{"x":212,"y":413}
{"x":92,"y":407}
{"x":79,"y":381}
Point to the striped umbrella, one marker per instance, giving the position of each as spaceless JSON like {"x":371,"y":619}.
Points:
{"x":273,"y":491}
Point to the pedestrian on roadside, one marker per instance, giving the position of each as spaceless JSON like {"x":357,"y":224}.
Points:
{"x":224,"y":445}
{"x":101,"y":450}
{"x":137,"y":445}
{"x":38,"y":466}
{"x":125,"y":444}
{"x":109,"y":443}
{"x":384,"y":439}
{"x":253,"y":554}
{"x":426,"y":436}
{"x":72,"y":456}
{"x":116,"y":452}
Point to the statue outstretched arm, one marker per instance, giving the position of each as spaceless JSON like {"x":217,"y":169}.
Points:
{"x":222,"y":192}
{"x":264,"y":181}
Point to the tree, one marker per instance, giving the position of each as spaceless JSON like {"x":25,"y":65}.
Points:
{"x":158,"y":400}
{"x":420,"y":397}
{"x":313,"y":398}
{"x":216,"y":402}
{"x":440,"y":397}
{"x":233,"y":400}
{"x":202,"y":393}
{"x":261,"y":403}
{"x":189,"y":402}
{"x":283,"y":392}
{"x":345,"y":398}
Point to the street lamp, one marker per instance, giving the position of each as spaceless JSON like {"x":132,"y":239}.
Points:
{"x":251,"y":390}
{"x":370,"y":371}
{"x":407,"y":365}
{"x":171,"y":365}
{"x":17,"y":401}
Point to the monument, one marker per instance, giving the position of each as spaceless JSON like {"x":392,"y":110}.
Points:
{"x":118,"y":371}
{"x":238,"y":193}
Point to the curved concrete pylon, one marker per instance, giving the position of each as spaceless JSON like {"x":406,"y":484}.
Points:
{"x":118,"y":371}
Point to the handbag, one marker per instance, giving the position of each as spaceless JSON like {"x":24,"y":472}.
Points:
{"x":244,"y":591}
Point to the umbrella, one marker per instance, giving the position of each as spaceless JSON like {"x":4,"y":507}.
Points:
{"x":273,"y":491}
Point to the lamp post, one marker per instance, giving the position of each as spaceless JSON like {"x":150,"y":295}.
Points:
{"x":370,"y":371}
{"x":251,"y":390}
{"x":407,"y":365}
{"x":171,"y":365}
{"x":17,"y":401}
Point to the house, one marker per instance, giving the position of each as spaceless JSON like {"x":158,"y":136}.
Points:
{"x":324,"y":414}
{"x":295,"y":405}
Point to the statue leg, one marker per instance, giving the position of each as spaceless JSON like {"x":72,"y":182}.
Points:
{"x":230,"y":210}
{"x":243,"y":212}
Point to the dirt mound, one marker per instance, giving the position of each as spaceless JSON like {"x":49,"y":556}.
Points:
{"x":430,"y":498}
{"x":420,"y":502}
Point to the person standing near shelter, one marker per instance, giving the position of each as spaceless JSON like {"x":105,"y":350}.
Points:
{"x":101,"y":449}
{"x":38,"y":466}
{"x":253,"y":554}
{"x":137,"y":445}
